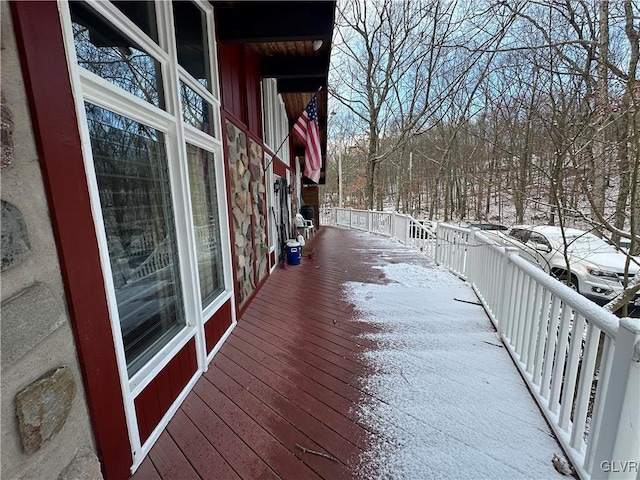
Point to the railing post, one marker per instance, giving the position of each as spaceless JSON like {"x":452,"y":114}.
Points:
{"x":407,"y":224}
{"x":393,"y":225}
{"x":503,"y":306}
{"x":473,"y":258}
{"x":369,"y":220}
{"x":618,"y":448}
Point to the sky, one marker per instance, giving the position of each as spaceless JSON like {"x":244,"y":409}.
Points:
{"x":446,"y":401}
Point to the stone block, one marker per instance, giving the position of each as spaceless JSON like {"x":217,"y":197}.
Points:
{"x":27,"y":319}
{"x":84,"y":466}
{"x":43,"y":407}
{"x":231,"y":132}
{"x":7,"y":136}
{"x":15,"y":240}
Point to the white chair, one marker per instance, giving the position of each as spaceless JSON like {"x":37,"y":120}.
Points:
{"x":304,"y":226}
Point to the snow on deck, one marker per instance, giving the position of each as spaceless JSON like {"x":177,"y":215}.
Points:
{"x":445,"y":400}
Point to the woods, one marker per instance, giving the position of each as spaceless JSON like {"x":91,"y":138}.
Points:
{"x":508,"y":112}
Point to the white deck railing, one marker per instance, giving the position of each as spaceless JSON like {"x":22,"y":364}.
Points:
{"x":581,"y":363}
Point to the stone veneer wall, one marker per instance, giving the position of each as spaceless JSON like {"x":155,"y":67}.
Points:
{"x":46,"y":432}
{"x":259,"y":210}
{"x":241,"y":210}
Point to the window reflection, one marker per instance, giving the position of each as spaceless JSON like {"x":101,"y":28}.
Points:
{"x":196,"y":110}
{"x":191,"y":39}
{"x":105,"y":51}
{"x":131,"y":170}
{"x":142,"y":13}
{"x":204,"y":204}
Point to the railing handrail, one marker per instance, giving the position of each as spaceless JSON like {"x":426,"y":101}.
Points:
{"x":605,"y":320}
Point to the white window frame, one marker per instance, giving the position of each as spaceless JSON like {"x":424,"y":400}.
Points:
{"x":88,"y":87}
{"x":271,"y":198}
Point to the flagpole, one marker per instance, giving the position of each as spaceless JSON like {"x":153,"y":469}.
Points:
{"x":288,"y":135}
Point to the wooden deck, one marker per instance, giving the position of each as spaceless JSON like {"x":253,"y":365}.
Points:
{"x":287,"y":377}
{"x":291,"y":376}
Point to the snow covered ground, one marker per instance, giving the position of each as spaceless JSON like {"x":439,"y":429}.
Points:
{"x":446,"y":400}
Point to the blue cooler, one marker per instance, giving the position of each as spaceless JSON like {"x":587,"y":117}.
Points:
{"x":294,"y":252}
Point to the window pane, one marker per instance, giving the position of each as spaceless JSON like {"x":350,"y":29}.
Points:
{"x":131,"y":171}
{"x":202,"y":180}
{"x":193,"y":52}
{"x":197,"y":111}
{"x":142,"y":13}
{"x":105,"y":51}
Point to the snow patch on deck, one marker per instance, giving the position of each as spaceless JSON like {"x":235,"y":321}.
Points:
{"x":445,"y":400}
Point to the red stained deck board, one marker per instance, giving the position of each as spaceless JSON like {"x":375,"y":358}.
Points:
{"x":281,"y":460}
{"x":236,"y":453}
{"x":169,"y":462}
{"x":319,"y":302}
{"x":279,"y":375}
{"x":321,"y":299}
{"x":313,"y":318}
{"x":279,"y":333}
{"x":250,"y":400}
{"x":288,"y":354}
{"x":330,"y":390}
{"x":146,"y":471}
{"x":204,"y":458}
{"x":309,"y":379}
{"x":290,"y":373}
{"x":327,"y":329}
{"x":314,"y":429}
{"x":298,"y":394}
{"x":287,"y":335}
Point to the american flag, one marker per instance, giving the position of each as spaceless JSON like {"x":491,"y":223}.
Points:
{"x":306,"y":128}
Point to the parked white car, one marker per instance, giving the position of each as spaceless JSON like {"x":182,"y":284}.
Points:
{"x":597,"y":268}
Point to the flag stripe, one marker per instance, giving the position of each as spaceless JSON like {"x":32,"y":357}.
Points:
{"x":307,"y":130}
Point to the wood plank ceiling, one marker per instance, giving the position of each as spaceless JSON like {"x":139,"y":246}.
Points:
{"x":282,"y":34}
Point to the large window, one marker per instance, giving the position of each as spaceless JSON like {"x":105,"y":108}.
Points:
{"x":202,"y":177}
{"x":274,"y":119}
{"x":131,"y":170}
{"x":191,"y":39}
{"x":156,"y":167}
{"x":110,"y":54}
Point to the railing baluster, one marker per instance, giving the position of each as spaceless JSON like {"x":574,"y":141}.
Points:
{"x":583,"y":394}
{"x":542,"y":337}
{"x":534,"y":326}
{"x":523,"y":317}
{"x":604,"y":373}
{"x":571,"y":373}
{"x":552,"y":341}
{"x":559,"y":361}
{"x":511,"y":312}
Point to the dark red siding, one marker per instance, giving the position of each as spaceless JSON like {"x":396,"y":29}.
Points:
{"x":217,"y":325}
{"x":159,"y":395}
{"x":254,"y":95}
{"x":231,"y":64}
{"x":240,"y":81}
{"x":55,"y":126}
{"x":279,"y":168}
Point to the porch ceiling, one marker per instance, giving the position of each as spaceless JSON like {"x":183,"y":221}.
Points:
{"x":282,"y":34}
